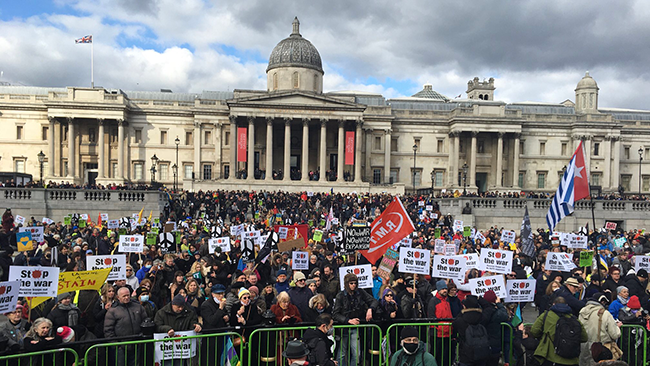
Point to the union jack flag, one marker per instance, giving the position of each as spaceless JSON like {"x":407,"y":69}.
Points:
{"x":86,"y":39}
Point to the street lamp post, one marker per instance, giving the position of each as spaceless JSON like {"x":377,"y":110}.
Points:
{"x":175,"y":170}
{"x":41,"y":158}
{"x":154,"y":162}
{"x":465,"y":178}
{"x":640,"y":160}
{"x":415,"y":151}
{"x":433,"y":181}
{"x":177,"y":142}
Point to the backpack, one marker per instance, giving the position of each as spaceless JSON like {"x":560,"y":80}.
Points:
{"x":568,"y":332}
{"x":477,"y":343}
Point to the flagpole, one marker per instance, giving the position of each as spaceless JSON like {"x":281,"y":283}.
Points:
{"x":92,"y":54}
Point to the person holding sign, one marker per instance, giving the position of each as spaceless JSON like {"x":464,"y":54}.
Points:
{"x":411,"y":303}
{"x":439,"y":308}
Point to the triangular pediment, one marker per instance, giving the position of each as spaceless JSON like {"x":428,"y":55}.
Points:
{"x":293,"y":98}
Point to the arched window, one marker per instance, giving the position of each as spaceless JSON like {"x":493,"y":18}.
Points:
{"x":295,"y":80}
{"x":275,"y":81}
{"x":480,"y":96}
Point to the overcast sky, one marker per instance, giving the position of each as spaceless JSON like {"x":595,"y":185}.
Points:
{"x":535,"y":50}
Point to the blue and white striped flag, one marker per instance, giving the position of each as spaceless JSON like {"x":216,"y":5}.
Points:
{"x":574,"y":186}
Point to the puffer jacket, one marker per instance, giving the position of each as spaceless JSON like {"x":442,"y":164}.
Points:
{"x":124,"y":319}
{"x":420,"y":358}
{"x":167,"y":319}
{"x":438,"y":308}
{"x":589,"y":317}
{"x":467,"y":317}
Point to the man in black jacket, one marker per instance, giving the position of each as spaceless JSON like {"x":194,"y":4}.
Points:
{"x":471,"y":315}
{"x":318,"y":342}
{"x":214,"y":310}
{"x":567,"y":291}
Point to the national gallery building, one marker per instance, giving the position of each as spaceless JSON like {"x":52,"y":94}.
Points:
{"x":293,"y":136}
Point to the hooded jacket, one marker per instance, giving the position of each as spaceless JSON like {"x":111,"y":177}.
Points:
{"x":167,"y":319}
{"x":589,"y":317}
{"x":438,"y":308}
{"x":545,"y":332}
{"x":319,"y":346}
{"x":467,"y":317}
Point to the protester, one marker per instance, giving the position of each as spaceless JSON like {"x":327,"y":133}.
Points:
{"x":285,"y":312}
{"x":296,"y":353}
{"x":413,"y":351}
{"x":318,"y":341}
{"x":39,"y":337}
{"x":471,"y":334}
{"x":64,"y":313}
{"x":599,"y":325}
{"x":14,"y":328}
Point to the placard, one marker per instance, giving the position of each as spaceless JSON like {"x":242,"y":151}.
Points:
{"x":223,"y":243}
{"x":47,"y":221}
{"x":282,"y":232}
{"x":300,"y":260}
{"x":387,"y":264}
{"x":35,"y":281}
{"x":458,"y":226}
{"x":449,"y":267}
{"x":521,"y":290}
{"x":420,"y":203}
{"x":586,"y":258}
{"x":167,"y":242}
{"x":479,"y":236}
{"x":494,"y":260}
{"x":117,"y":261}
{"x":113,"y":224}
{"x":9,"y":296}
{"x":363,"y":272}
{"x":559,"y":262}
{"x":439,"y":246}
{"x":131,"y":244}
{"x":250,"y":235}
{"x":641,"y":262}
{"x":318,"y":235}
{"x":481,"y":285}
{"x":467,"y":231}
{"x":24,"y":241}
{"x":19,"y":220}
{"x":508,"y":236}
{"x":610,"y":225}
{"x":437,"y":232}
{"x":471,"y":260}
{"x":357,"y":238}
{"x":619,"y":242}
{"x":151,"y":238}
{"x":414,"y":261}
{"x":176,"y":348}
{"x":103,"y":216}
{"x":577,"y":241}
{"x":450,"y":249}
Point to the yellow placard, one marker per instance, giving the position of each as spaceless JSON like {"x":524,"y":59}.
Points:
{"x":24,"y":244}
{"x":75,"y":281}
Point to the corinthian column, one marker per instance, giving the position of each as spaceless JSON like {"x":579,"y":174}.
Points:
{"x":287,"y":150}
{"x":71,"y":149}
{"x":251,"y":148}
{"x":100,"y":149}
{"x":323,"y":150}
{"x":305,"y":150}
{"x":269,"y":149}
{"x":357,"y":153}
{"x":341,"y":152}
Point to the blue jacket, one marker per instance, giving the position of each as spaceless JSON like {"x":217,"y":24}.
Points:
{"x":142,"y":273}
{"x":376,"y":286}
{"x":614,"y":307}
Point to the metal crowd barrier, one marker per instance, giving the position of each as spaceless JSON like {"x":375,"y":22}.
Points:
{"x":60,"y":356}
{"x":634,"y":344}
{"x":436,"y":335}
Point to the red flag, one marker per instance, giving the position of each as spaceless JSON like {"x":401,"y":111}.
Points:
{"x":241,"y":144}
{"x":296,"y":231}
{"x":580,"y":175}
{"x":349,"y":147}
{"x":393,"y":225}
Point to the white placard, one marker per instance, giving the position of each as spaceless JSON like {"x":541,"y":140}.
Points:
{"x":104,"y":216}
{"x":113,"y":224}
{"x":36,"y":231}
{"x":458,"y":225}
{"x":420,"y":203}
{"x":300,"y":260}
{"x":117,"y":261}
{"x":471,"y":260}
{"x":36,"y":281}
{"x":479,"y":236}
{"x":439,"y":246}
{"x":9,"y":296}
{"x":19,"y":220}
{"x":47,"y":221}
{"x":131,"y":243}
{"x":84,"y":217}
{"x":176,"y":348}
{"x":641,"y":262}
{"x":521,"y":290}
{"x":577,"y":241}
{"x":261,"y":240}
{"x":283,"y":232}
{"x":236,"y":229}
{"x":449,"y":267}
{"x":363,"y":272}
{"x":508,"y":236}
{"x":223,"y":243}
{"x":494,"y":260}
{"x":414,"y":261}
{"x":481,"y":285}
{"x":250,"y":235}
{"x":450,"y":249}
{"x":429,"y":208}
{"x":562,"y":262}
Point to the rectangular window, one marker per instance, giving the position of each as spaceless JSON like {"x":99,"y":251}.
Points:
{"x":226,"y":171}
{"x":19,"y":166}
{"x":439,"y":178}
{"x":137,"y":171}
{"x":114,"y":135}
{"x":19,"y":132}
{"x":394,"y":176}
{"x":189,"y":169}
{"x":647,"y":154}
{"x":114,"y":170}
{"x":163,"y":137}
{"x":91,"y":135}
{"x":226,"y":139}
{"x":520,"y":181}
{"x":163,"y":169}
{"x":596,"y":148}
{"x":377,"y":143}
{"x":625,"y":182}
{"x":188,"y":138}
{"x":542,"y":148}
{"x":541,"y":180}
{"x":480,"y":146}
{"x":521,"y":148}
{"x":417,"y":178}
{"x":626,"y":153}
{"x":207,"y":137}
{"x":65,"y":168}
{"x":646,"y":183}
{"x":207,"y":171}
{"x":45,"y":132}
{"x":65,"y":133}
{"x":376,"y":176}
{"x":595,"y":179}
{"x":393,"y":145}
{"x":564,"y":148}
{"x":138,"y":137}
{"x":417,"y":143}
{"x":440,"y":148}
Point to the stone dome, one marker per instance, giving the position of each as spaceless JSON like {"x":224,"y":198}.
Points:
{"x":587,"y":82}
{"x":295,"y":51}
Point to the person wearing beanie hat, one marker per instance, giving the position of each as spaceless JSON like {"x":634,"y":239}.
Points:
{"x":64,"y":313}
{"x":470,"y":316}
{"x":244,"y":312}
{"x":494,"y":313}
{"x":636,"y":283}
{"x":439,"y":310}
{"x":177,"y":316}
{"x":622,"y":297}
{"x":598,"y":323}
{"x":411,"y":303}
{"x":413,"y":351}
{"x":490,"y":296}
{"x":66,"y":334}
{"x":257,"y":300}
{"x":441,"y":285}
{"x":300,"y":294}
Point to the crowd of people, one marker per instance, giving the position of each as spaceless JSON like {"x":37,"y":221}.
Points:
{"x":189,"y":288}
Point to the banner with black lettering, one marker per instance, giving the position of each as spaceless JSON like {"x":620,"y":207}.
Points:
{"x":481,"y":285}
{"x":131,"y":244}
{"x":414,"y":261}
{"x":641,"y":262}
{"x":494,"y":260}
{"x":521,"y":290}
{"x":562,"y":262}
{"x":35,"y":281}
{"x":363,"y":272}
{"x":357,"y":238}
{"x":117,"y":261}
{"x":9,"y":296}
{"x":471,"y":260}
{"x":449,"y":267}
{"x":175,"y":348}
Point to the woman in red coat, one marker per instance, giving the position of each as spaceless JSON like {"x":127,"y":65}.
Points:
{"x":285,"y":312}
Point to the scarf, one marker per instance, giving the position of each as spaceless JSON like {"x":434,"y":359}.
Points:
{"x":73,"y":314}
{"x":622,"y":300}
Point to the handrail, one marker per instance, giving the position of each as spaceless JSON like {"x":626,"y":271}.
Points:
{"x":54,"y":352}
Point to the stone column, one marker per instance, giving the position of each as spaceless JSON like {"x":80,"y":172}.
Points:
{"x":616,"y":163}
{"x":287,"y":150}
{"x":218,"y":174}
{"x":251,"y":148}
{"x":341,"y":152}
{"x":71,"y":149}
{"x":454,"y":147}
{"x":269,"y":148}
{"x":388,"y":136}
{"x":368,"y":152}
{"x":499,"y":164}
{"x":515,"y":162}
{"x":304,"y":159}
{"x":50,"y":137}
{"x":120,"y":149}
{"x":472,"y":162}
{"x":233,"y":148}
{"x":606,"y":183}
{"x":100,"y":150}
{"x":323,"y":150}
{"x":357,"y":152}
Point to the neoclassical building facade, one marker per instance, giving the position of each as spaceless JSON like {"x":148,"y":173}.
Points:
{"x":294,"y":136}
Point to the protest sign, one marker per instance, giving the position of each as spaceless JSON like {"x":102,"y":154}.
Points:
{"x":357,"y":238}
{"x":450,"y":249}
{"x":387,"y":263}
{"x":175,"y":348}
{"x":113,"y":224}
{"x":250,"y":235}
{"x":151,"y":238}
{"x":117,"y":261}
{"x":24,"y":241}
{"x":481,"y":285}
{"x":449,"y":267}
{"x":300,"y":260}
{"x":508,"y":236}
{"x":437,"y":232}
{"x":414,"y":261}
{"x":429,"y":208}
{"x":289,"y":245}
{"x":103,"y":216}
{"x":406,"y":242}
{"x":318,"y":235}
{"x":467,"y":231}
{"x":479,"y":236}
{"x":471,"y":260}
{"x":282,"y":232}
{"x":494,"y":260}
{"x":420,"y":203}
{"x":439,"y":246}
{"x":586,"y":258}
{"x":559,"y":262}
{"x":19,"y":220}
{"x":131,"y":243}
{"x":171,"y":226}
{"x":36,"y":231}
{"x":641,"y":262}
{"x":167,"y":242}
{"x":82,"y":280}
{"x":47,"y":221}
{"x":9,"y":296}
{"x":223,"y":243}
{"x":610,"y":225}
{"x":35,"y":281}
{"x":458,"y":225}
{"x":521,"y":290}
{"x":619,"y":242}
{"x":577,"y":241}
{"x":363,"y":272}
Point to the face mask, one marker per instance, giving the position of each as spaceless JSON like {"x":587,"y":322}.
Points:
{"x":245,"y":302}
{"x":144,"y":298}
{"x":148,"y":266}
{"x":330,"y":331}
{"x":216,"y":300}
{"x":410,"y":348}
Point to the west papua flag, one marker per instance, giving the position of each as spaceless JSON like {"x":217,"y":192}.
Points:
{"x":393,"y":225}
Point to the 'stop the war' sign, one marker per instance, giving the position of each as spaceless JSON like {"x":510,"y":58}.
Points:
{"x":414,"y":261}
{"x":494,"y":260}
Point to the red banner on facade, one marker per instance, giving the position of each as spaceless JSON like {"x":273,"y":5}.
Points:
{"x":241,"y":143}
{"x":393,"y":225}
{"x":349,"y":147}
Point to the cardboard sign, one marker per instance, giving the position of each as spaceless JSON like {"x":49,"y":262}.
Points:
{"x":559,"y":262}
{"x":36,"y":231}
{"x":494,"y":260}
{"x":113,"y":224}
{"x":449,"y":267}
{"x":387,"y":263}
{"x":24,"y":241}
{"x":641,"y":262}
{"x":131,"y":244}
{"x":450,"y":249}
{"x":175,"y":348}
{"x":171,"y":226}
{"x":481,"y":285}
{"x":610,"y":225}
{"x":289,"y":245}
{"x":458,"y":225}
{"x":521,"y":290}
{"x":9,"y":296}
{"x":508,"y":236}
{"x":586,"y":258}
{"x":117,"y":262}
{"x":357,"y":238}
{"x":223,"y":243}
{"x":300,"y":260}
{"x":439,"y":246}
{"x":35,"y":281}
{"x":471,"y":260}
{"x":364,"y":275}
{"x":414,"y":261}
{"x":19,"y":220}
